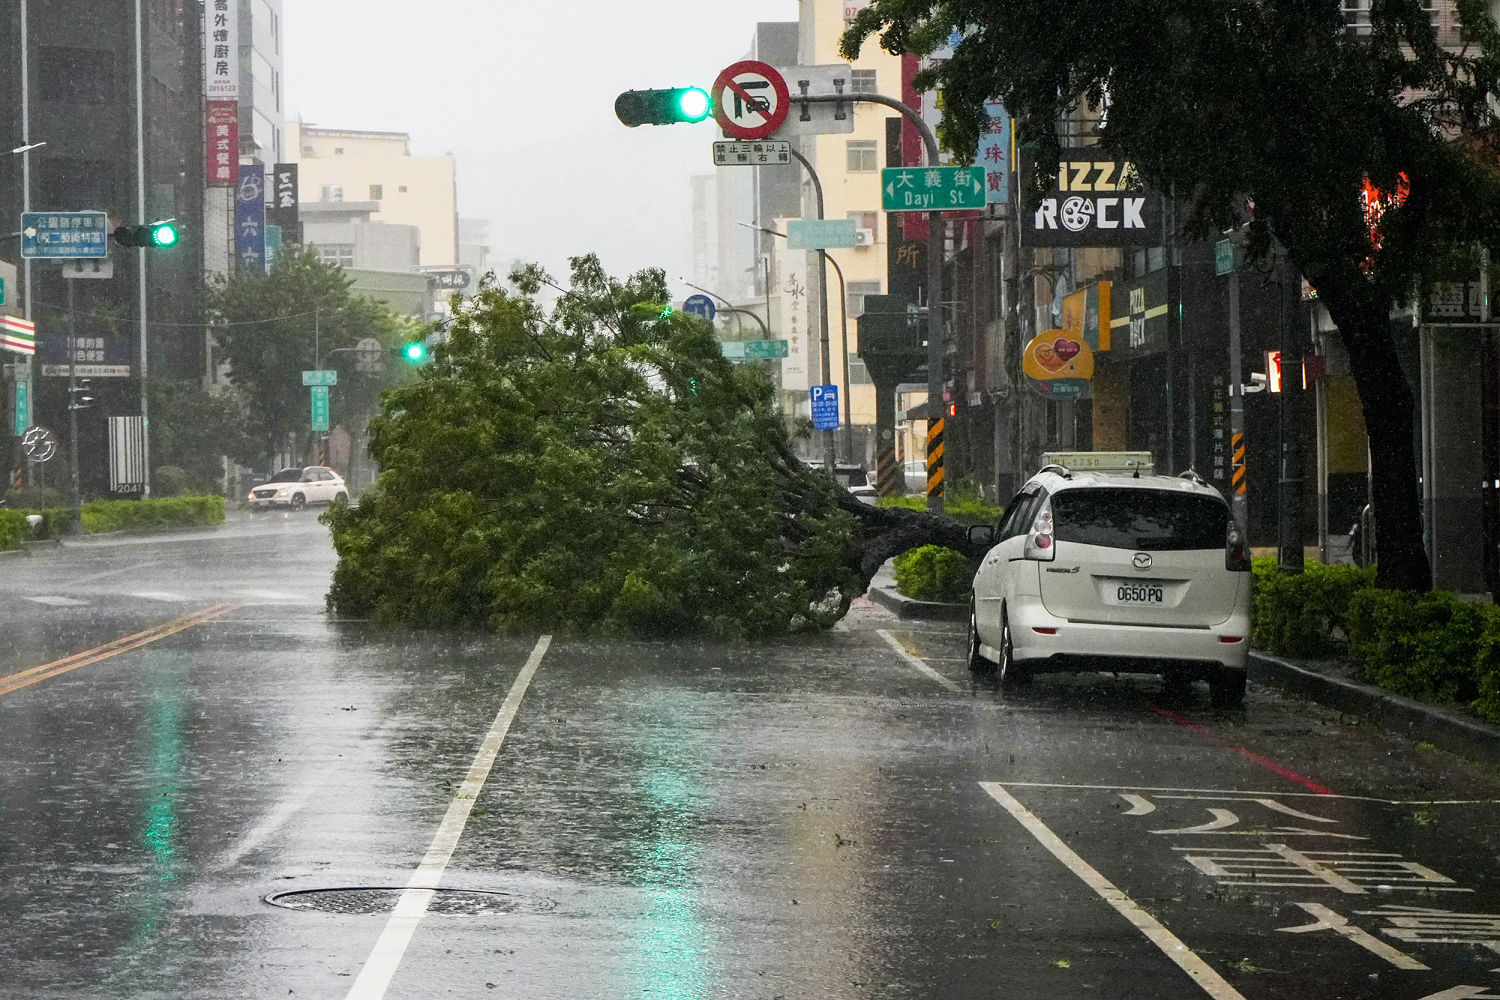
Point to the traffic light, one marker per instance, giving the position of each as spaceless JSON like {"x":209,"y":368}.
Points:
{"x":415,"y":352}
{"x":663,"y":107}
{"x":157,"y":235}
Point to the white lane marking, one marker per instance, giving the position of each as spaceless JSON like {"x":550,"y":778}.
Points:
{"x":160,"y":595}
{"x":1243,"y":792}
{"x":906,"y":655}
{"x":1139,"y":805}
{"x":261,"y":832}
{"x":380,"y":968}
{"x":132,"y":568}
{"x":1200,"y":971}
{"x":57,"y":602}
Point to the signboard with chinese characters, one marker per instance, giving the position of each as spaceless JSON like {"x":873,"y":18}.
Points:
{"x":93,"y":355}
{"x":23,"y":407}
{"x":221,"y":51}
{"x":319,"y":401}
{"x":1453,"y":302}
{"x":223,"y":137}
{"x":752,"y":350}
{"x":250,"y":220}
{"x":994,"y":153}
{"x":794,"y":319}
{"x":755,"y":153}
{"x":64,"y":234}
{"x":1097,"y":200}
{"x":824,"y":400}
{"x":284,"y":210}
{"x":931,"y":189}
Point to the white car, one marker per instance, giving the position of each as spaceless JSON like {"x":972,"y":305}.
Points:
{"x":297,"y":487}
{"x":1091,"y":571}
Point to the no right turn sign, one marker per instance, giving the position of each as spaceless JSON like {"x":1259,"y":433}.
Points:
{"x":750,"y":100}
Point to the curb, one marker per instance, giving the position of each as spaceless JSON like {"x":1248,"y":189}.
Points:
{"x":906,"y":608}
{"x":1442,"y":727}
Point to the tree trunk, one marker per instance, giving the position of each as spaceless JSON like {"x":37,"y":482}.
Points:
{"x":1385,"y":397}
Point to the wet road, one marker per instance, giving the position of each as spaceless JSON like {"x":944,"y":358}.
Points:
{"x":845,"y":815}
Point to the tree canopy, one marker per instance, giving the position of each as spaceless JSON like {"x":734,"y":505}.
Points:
{"x":1278,"y":101}
{"x":270,"y":328}
{"x":597,"y":465}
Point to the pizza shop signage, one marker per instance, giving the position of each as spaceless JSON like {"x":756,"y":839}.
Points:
{"x":1097,"y":201}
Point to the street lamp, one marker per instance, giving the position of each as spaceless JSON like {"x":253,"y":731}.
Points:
{"x":729,"y":307}
{"x":848,"y":430}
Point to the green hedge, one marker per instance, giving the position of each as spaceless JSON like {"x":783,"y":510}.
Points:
{"x":962,"y":504}
{"x":15,"y":532}
{"x":1433,"y":647}
{"x":935,"y":573}
{"x":100,"y":516}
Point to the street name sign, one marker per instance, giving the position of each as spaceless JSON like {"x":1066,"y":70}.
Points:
{"x":825,"y":407}
{"x":821,"y":118}
{"x":326,"y":376}
{"x":750,"y":99}
{"x":453,"y":280}
{"x":1223,"y":257}
{"x":732,"y":153}
{"x":931,"y":189}
{"x":820,"y":234}
{"x":64,"y":234}
{"x":319,"y":407}
{"x":753,"y":350}
{"x":23,"y":407}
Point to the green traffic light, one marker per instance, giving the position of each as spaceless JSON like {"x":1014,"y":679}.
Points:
{"x":693,"y":104}
{"x":416,"y":352}
{"x":163,"y":234}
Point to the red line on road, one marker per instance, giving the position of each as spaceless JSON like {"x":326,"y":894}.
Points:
{"x":750,"y":103}
{"x":1207,"y":733}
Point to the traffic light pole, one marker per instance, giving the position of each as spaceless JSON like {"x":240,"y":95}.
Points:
{"x":934,"y":292}
{"x":75,"y":500}
{"x":829,"y":458}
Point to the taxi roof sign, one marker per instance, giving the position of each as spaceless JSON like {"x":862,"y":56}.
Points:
{"x":1125,"y":463}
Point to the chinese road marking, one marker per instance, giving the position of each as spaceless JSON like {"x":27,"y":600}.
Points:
{"x":1347,"y":871}
{"x":380,"y":968}
{"x":1421,"y":925}
{"x":1327,"y":920}
{"x":1200,"y":971}
{"x":912,"y":659}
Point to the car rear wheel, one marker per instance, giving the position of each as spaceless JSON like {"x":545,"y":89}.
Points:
{"x":298,"y":501}
{"x":341,"y":497}
{"x":978,"y":663}
{"x":1226,"y":689}
{"x":1011,"y":673}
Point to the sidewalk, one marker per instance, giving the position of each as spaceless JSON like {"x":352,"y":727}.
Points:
{"x":1321,"y":681}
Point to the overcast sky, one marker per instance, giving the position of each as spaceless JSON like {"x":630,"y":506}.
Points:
{"x":522,"y":94}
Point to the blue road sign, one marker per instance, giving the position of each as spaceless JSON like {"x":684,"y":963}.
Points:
{"x":64,"y":234}
{"x":825,"y":407}
{"x":699,"y":305}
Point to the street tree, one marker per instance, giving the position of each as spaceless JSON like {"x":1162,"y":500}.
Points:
{"x":595,"y":464}
{"x":1369,"y":155}
{"x":269,"y":329}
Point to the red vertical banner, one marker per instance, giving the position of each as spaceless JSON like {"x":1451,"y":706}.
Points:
{"x":222,"y":133}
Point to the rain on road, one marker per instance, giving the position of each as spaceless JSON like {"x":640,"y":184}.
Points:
{"x":841,"y":815}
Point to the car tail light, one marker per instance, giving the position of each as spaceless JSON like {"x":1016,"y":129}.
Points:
{"x":1236,"y":552}
{"x":1041,"y":541}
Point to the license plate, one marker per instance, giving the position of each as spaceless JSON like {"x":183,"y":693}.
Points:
{"x":1138,"y":593}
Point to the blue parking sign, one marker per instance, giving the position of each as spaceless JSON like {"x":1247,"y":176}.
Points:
{"x":825,"y":407}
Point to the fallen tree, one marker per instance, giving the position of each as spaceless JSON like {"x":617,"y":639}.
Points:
{"x":597,"y":466}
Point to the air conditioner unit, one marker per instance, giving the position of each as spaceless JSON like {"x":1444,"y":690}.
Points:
{"x":864,"y":237}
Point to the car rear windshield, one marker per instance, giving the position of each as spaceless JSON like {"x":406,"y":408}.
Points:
{"x":1147,"y":520}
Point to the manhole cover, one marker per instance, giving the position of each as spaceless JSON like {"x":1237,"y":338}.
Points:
{"x":382,"y":899}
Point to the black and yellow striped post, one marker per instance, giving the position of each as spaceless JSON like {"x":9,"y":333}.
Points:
{"x":935,"y":462}
{"x":888,"y":473}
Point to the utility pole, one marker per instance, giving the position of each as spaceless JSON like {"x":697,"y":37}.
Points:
{"x":1289,"y":508}
{"x":828,"y":446}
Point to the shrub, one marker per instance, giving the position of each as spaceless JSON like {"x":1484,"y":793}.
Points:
{"x":1427,"y":646}
{"x":174,"y":481}
{"x":35,"y":498}
{"x":962,"y":504}
{"x":1304,"y":614}
{"x":934,"y":573}
{"x":15,"y":532}
{"x":100,"y":516}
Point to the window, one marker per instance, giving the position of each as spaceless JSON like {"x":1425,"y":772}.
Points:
{"x":1147,"y":521}
{"x":71,"y":75}
{"x":341,"y":254}
{"x":863,"y":156}
{"x":401,"y":189}
{"x":333,"y":192}
{"x":862,"y":81}
{"x":377,"y":192}
{"x":858,"y":373}
{"x":856,"y":291}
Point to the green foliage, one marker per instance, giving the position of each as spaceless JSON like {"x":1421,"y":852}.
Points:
{"x":101,"y":516}
{"x":14,"y":531}
{"x":935,"y":573}
{"x":269,"y":329}
{"x":34,"y":498}
{"x":962,"y":504}
{"x":192,"y":429}
{"x":1304,"y":614}
{"x":1428,"y":646}
{"x":554,"y":470}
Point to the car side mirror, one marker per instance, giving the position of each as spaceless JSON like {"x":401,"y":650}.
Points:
{"x":982,"y":535}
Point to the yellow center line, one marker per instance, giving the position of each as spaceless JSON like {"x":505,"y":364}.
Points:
{"x":34,"y":675}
